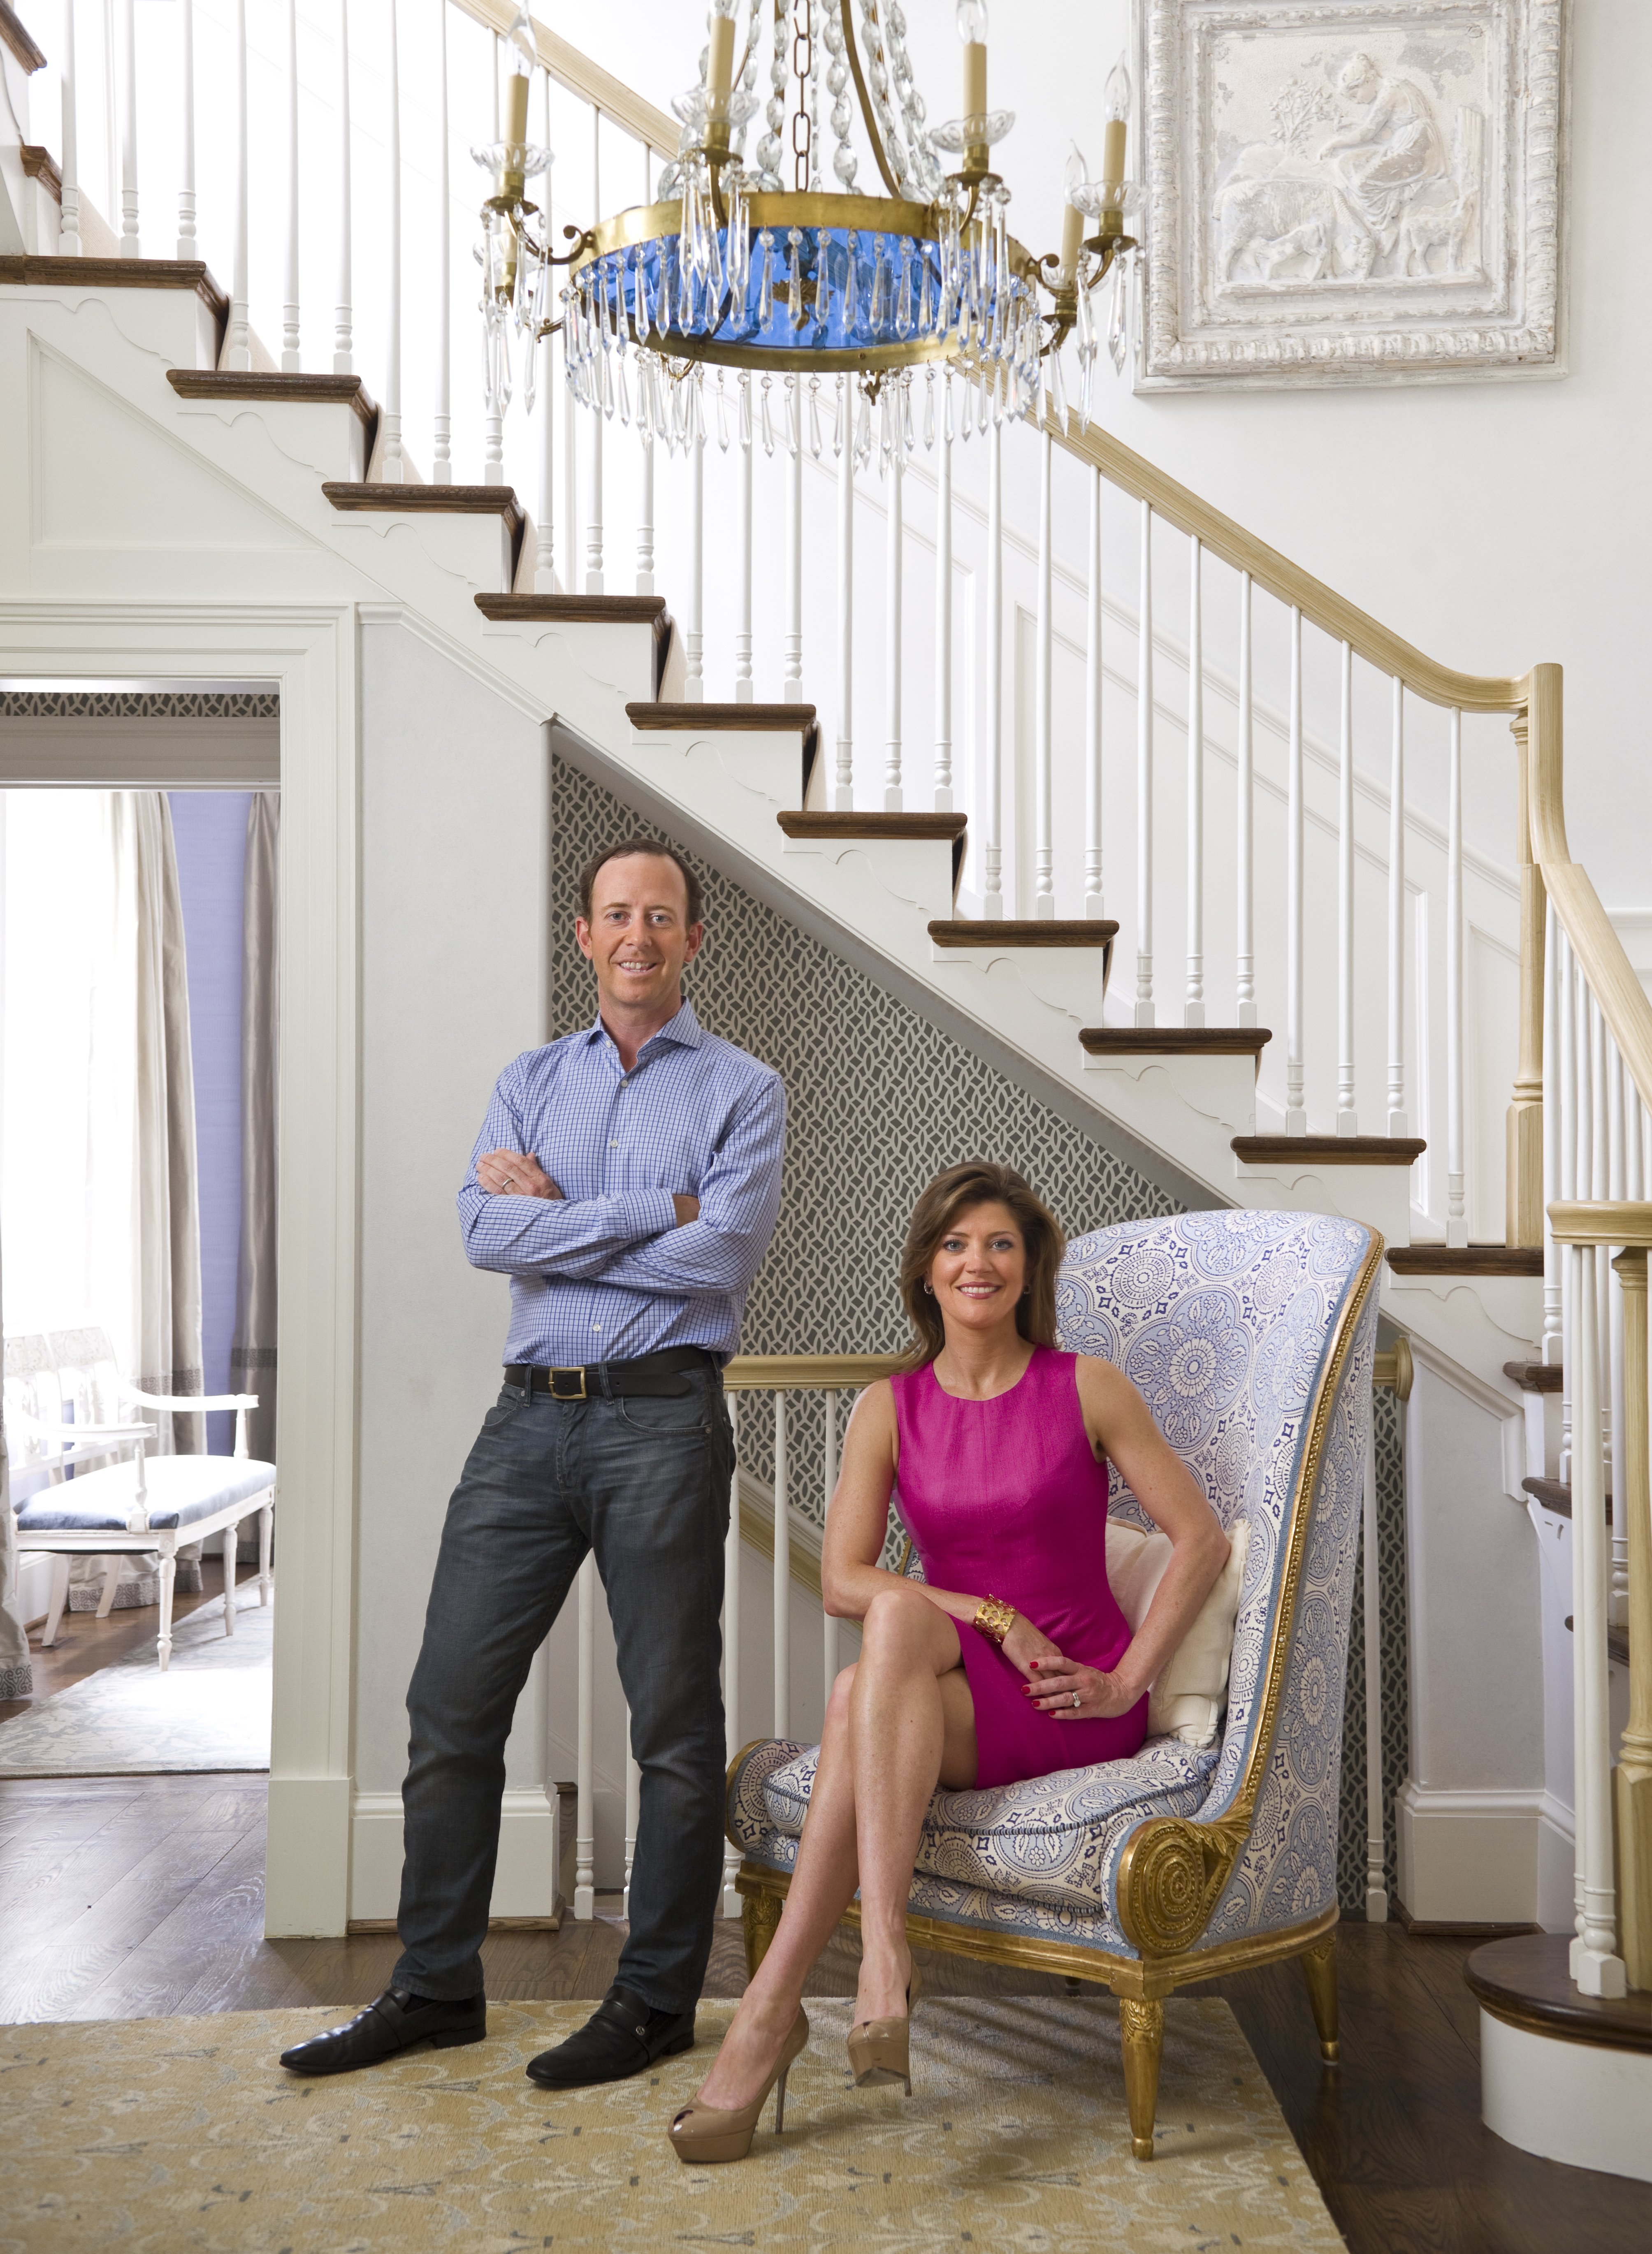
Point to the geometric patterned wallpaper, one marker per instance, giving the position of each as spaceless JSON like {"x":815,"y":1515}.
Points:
{"x":121,"y":704}
{"x":1396,"y":1671}
{"x":879,"y":1100}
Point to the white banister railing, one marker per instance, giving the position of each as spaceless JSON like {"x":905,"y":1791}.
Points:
{"x":1284,"y":680}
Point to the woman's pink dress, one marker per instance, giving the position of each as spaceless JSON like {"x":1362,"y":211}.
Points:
{"x":1004,"y":1498}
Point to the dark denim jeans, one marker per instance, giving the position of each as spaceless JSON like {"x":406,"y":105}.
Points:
{"x":644,"y":1483}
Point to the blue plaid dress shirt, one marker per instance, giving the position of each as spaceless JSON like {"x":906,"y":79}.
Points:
{"x":603,"y":1272}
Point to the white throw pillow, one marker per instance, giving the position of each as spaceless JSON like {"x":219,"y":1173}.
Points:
{"x":1188,"y":1699}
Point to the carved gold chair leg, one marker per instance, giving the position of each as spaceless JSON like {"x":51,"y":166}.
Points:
{"x":760,"y":1917}
{"x":1319,"y":1969}
{"x":1142,"y":2026}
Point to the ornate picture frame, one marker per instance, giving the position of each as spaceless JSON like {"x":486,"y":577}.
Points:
{"x":1351,"y":191}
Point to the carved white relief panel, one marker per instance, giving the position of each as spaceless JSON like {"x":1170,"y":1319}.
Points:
{"x":1348,"y":192}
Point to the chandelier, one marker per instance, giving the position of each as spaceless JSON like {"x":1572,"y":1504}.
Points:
{"x":732,"y":266}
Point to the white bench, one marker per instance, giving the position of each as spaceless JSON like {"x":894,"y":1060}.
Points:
{"x":66,"y":1408}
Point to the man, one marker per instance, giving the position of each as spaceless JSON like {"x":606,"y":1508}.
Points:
{"x":626,"y":1180}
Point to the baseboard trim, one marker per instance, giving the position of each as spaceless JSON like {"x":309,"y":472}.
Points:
{"x":494,"y":1924}
{"x":528,"y":1888}
{"x":1475,"y":1862}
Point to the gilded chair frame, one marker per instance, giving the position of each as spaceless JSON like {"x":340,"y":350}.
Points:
{"x":1173,"y":1869}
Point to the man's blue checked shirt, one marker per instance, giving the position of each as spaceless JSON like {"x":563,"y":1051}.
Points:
{"x":603,"y":1273}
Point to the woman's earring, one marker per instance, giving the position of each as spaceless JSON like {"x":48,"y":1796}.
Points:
{"x":928,"y":1287}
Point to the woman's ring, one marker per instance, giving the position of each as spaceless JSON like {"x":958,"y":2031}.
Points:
{"x":1075,"y":1698}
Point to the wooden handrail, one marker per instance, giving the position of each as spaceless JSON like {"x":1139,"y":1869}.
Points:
{"x":581,"y":76}
{"x":1627,"y":1221}
{"x":781,"y":1373}
{"x":1437,"y":684}
{"x":1607,"y":969}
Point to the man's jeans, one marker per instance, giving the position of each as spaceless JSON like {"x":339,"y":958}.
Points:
{"x":644,"y":1483}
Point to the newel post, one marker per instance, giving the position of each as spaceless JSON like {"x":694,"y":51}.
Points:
{"x":1524,"y":1170}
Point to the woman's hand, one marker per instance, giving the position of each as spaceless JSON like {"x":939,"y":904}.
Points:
{"x":1025,"y":1646}
{"x":1074,"y":1693}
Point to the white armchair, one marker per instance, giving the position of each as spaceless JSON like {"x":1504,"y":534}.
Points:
{"x":138,"y":1501}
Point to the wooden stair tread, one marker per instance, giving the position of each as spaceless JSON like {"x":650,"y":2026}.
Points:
{"x":1536,"y":1376}
{"x":1024,"y":931}
{"x":1617,"y":1638}
{"x":1465,"y":1260}
{"x":871,"y":824}
{"x":647,"y":610}
{"x":406,"y":499}
{"x":39,"y":163}
{"x":118,"y":274}
{"x":1332,"y":1150}
{"x":1526,"y":1980}
{"x":755,"y":719}
{"x":263,"y":383}
{"x":1555,"y":1495}
{"x":1176,"y":1040}
{"x":15,"y":34}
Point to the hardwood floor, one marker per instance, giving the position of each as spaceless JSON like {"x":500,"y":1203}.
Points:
{"x":85,"y":1643}
{"x":124,"y":1897}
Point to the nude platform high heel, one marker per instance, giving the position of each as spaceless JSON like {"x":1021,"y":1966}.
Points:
{"x":714,"y":2133}
{"x":880,"y":2050}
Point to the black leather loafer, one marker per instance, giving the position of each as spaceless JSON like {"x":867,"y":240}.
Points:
{"x":393,"y":2022}
{"x":622,"y":2037}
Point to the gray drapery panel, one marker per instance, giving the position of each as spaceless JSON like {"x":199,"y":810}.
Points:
{"x":16,"y":1674}
{"x":252,"y":1356}
{"x":145,"y":1166}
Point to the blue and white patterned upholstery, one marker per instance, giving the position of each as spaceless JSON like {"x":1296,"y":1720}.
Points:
{"x":1225,"y":1321}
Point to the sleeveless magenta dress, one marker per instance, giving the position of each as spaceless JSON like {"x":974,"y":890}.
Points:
{"x":1004,"y":1498}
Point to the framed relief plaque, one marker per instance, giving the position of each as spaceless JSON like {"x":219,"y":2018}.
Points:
{"x":1344,"y":192}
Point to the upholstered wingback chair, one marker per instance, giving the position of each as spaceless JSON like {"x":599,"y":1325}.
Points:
{"x":1251,"y":1336}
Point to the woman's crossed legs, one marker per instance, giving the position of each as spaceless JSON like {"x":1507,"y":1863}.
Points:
{"x":900,"y":1722}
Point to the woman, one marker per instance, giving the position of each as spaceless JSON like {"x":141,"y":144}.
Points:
{"x":1011,"y":1660}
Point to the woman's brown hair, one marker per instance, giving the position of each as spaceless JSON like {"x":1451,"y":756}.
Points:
{"x":957,"y":1192}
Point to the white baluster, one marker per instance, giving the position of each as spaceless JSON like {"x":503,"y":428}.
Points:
{"x":584,"y":1773}
{"x":1296,"y":1117}
{"x":792,"y":684}
{"x":187,"y":243}
{"x":1399,"y":1122}
{"x":343,"y":348}
{"x":1375,"y":1849}
{"x":1245,"y":1005}
{"x":992,"y":880}
{"x":782,"y":1579}
{"x":1618,"y":1189}
{"x":828,"y":1624}
{"x":1551,"y":1108}
{"x":634,"y":1803}
{"x":1600,"y":1123}
{"x":1144,"y":1014}
{"x":844,"y":777}
{"x":570,"y":410}
{"x":1583,"y":1186}
{"x":69,"y":211}
{"x":1095,"y":901}
{"x":131,"y":246}
{"x":390,"y":466}
{"x":732,"y":1738}
{"x":1598,"y":1969}
{"x":237,"y":342}
{"x":289,"y":299}
{"x":645,"y":488}
{"x":1193,"y":1006}
{"x":442,"y":421}
{"x":1567,"y":1074}
{"x":744,"y":691}
{"x":1456,"y":1197}
{"x":694,"y":636}
{"x":942,"y":800}
{"x":494,"y":418}
{"x":894,"y":796}
{"x":593,"y":505}
{"x":1043,"y":721}
{"x":111,"y":114}
{"x":1347,"y":1119}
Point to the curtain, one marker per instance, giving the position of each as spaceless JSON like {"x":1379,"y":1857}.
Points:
{"x":252,"y":1356}
{"x":144,"y":1231}
{"x":17,"y":1674}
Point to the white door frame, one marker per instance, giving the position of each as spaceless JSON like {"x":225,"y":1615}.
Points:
{"x":308,"y":656}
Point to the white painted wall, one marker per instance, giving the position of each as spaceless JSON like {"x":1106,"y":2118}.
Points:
{"x":1493,"y":524}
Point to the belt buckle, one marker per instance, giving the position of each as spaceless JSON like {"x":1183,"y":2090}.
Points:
{"x":557,"y":1394}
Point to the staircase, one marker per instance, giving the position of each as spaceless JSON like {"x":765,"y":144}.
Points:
{"x":1116,"y":780}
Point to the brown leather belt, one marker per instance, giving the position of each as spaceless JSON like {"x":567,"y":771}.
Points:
{"x":661,"y":1376}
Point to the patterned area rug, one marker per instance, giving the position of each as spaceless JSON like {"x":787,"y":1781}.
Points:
{"x":160,"y":2136}
{"x":209,"y":1710}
